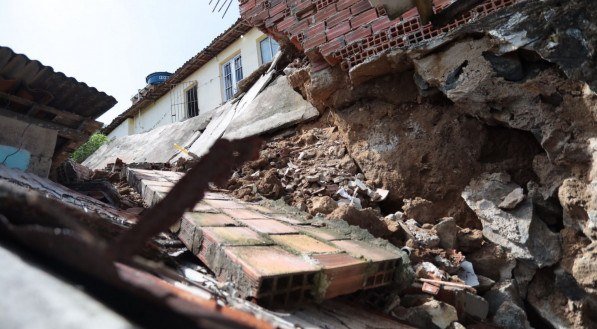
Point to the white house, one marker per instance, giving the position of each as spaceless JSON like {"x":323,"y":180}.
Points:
{"x":200,"y":85}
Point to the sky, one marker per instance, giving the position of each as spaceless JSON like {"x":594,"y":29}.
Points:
{"x":111,"y":45}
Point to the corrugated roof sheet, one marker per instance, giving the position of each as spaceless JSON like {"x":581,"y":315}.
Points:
{"x":220,"y":43}
{"x":67,"y":93}
{"x":35,"y":93}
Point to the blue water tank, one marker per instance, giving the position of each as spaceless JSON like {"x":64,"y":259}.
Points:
{"x":157,"y":78}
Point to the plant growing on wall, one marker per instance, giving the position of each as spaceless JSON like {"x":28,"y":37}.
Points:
{"x":84,"y":151}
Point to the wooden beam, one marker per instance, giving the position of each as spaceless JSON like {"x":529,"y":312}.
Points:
{"x":63,"y":131}
{"x":40,"y":107}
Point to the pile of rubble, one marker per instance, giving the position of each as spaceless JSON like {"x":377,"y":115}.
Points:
{"x":311,"y":171}
{"x":473,"y":153}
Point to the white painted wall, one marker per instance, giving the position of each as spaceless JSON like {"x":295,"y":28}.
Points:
{"x":209,"y":86}
{"x":124,"y":129}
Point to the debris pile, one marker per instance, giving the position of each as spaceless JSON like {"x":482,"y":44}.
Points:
{"x":311,"y":171}
{"x":474,"y":153}
{"x":484,"y":139}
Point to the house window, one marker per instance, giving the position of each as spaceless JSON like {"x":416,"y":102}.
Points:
{"x":269,"y":47}
{"x":232,"y":72}
{"x":192,"y":102}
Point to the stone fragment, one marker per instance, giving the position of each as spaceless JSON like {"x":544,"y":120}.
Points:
{"x":523,"y":273}
{"x":426,"y":312}
{"x":446,"y":231}
{"x":415,"y":316}
{"x":509,"y":315}
{"x":501,"y":292}
{"x":426,"y":270}
{"x":421,"y":210}
{"x":512,"y":199}
{"x":448,"y":264}
{"x":269,"y":185}
{"x":367,"y":219}
{"x":584,"y":269}
{"x":323,"y":205}
{"x":492,"y":261}
{"x":456,"y":325}
{"x":518,"y":230}
{"x":312,"y":178}
{"x":548,"y":298}
{"x":469,"y":240}
{"x":442,"y":314}
{"x":426,"y":238}
{"x":485,"y":284}
{"x":474,"y":305}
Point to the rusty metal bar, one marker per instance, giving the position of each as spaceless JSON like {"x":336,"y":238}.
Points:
{"x":222,"y":158}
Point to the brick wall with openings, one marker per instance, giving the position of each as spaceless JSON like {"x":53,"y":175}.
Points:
{"x":346,"y":32}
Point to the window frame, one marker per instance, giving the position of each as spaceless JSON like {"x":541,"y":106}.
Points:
{"x":270,"y":46}
{"x":194,"y":88}
{"x":232,"y":73}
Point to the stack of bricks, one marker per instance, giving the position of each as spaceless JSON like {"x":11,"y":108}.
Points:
{"x":347,"y":32}
{"x":276,"y":259}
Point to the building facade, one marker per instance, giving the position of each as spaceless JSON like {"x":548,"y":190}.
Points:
{"x":201,"y":85}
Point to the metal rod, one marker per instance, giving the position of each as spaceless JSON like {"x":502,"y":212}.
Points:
{"x":216,"y":6}
{"x":222,"y":6}
{"x":225,"y":11}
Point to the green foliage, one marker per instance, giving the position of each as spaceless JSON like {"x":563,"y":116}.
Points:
{"x":87,"y":149}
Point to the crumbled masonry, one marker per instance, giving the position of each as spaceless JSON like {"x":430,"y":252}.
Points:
{"x":275,"y":258}
{"x":437,"y":175}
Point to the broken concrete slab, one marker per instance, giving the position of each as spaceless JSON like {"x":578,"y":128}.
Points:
{"x":278,"y":106}
{"x":519,"y":230}
{"x":214,"y":130}
{"x":263,"y":109}
{"x":154,"y":146}
{"x":224,"y":115}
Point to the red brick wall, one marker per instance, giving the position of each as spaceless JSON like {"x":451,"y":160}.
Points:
{"x":347,"y":32}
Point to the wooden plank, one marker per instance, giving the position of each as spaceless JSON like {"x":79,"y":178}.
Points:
{"x":39,"y":107}
{"x":63,"y":131}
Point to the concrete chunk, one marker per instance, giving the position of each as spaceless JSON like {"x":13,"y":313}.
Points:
{"x":518,"y":230}
{"x":278,"y":106}
{"x":153,"y":146}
